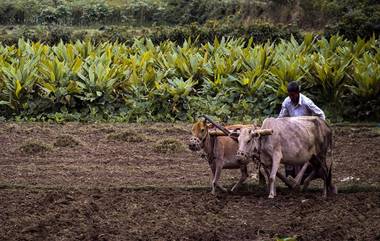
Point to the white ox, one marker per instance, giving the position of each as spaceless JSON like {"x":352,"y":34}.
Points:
{"x":294,"y":141}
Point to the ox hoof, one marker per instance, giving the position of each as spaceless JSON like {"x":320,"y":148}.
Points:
{"x":271,"y":196}
{"x":213,"y":190}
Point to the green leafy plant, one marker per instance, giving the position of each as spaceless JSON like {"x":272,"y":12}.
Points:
{"x":229,"y":79}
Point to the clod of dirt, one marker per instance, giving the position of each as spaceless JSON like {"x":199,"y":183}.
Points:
{"x":34,"y":147}
{"x":128,"y":135}
{"x":169,"y":145}
{"x":66,"y":141}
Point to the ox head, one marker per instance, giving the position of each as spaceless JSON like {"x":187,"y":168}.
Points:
{"x":249,"y":142}
{"x":199,"y":133}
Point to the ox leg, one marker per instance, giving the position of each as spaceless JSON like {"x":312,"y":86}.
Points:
{"x":324,"y":189}
{"x":308,"y":180}
{"x":275,"y":165}
{"x":213,"y":169}
{"x":243,"y":177}
{"x":263,"y":176}
{"x":333,"y":189}
{"x":326,"y":180}
{"x":286,"y":180}
{"x":266,"y":174}
{"x":329,"y":188}
{"x":298,"y":179}
{"x":282,"y":177}
{"x":215,"y":181}
{"x":324,"y":172}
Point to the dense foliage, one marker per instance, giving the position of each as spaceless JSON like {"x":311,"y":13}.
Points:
{"x":227,"y":78}
{"x":350,"y":18}
{"x":136,"y":12}
{"x":204,"y":33}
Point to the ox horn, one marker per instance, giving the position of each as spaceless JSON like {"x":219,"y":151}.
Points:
{"x":263,"y":132}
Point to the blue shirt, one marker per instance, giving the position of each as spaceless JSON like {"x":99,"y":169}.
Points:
{"x":304,"y":107}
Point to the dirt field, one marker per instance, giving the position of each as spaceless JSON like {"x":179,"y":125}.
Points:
{"x":105,"y":182}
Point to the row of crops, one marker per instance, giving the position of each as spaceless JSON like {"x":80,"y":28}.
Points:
{"x":230,"y":79}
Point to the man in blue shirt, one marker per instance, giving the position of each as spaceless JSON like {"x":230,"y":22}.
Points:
{"x":296,"y":104}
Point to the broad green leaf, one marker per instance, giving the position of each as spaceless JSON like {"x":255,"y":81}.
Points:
{"x":77,"y":65}
{"x":18,"y":88}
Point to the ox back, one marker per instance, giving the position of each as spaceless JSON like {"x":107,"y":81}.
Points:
{"x":298,"y":138}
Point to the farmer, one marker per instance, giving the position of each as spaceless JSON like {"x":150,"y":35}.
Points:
{"x":296,"y":104}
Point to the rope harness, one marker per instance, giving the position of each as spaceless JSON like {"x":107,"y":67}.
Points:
{"x":210,"y":156}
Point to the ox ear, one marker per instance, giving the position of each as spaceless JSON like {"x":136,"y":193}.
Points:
{"x":205,"y":121}
{"x":202,"y":120}
{"x":252,"y":133}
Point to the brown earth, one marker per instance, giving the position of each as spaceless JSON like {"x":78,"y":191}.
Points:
{"x":120,"y":182}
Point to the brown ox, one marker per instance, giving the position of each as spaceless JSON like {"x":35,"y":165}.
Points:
{"x":294,"y":141}
{"x":220,"y":152}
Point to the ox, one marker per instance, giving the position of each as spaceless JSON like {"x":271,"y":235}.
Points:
{"x":220,"y":152}
{"x":291,"y":140}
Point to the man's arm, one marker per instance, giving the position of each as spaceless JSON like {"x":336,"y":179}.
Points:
{"x":315,"y":110}
{"x":284,"y":111}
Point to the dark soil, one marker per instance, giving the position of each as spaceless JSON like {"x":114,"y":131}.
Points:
{"x":112,"y":187}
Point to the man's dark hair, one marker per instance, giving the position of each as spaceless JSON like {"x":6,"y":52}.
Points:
{"x":293,"y":87}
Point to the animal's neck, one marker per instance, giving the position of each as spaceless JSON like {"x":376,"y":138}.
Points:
{"x":208,"y":146}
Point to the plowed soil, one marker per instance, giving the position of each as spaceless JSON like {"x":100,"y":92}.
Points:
{"x":140,"y":182}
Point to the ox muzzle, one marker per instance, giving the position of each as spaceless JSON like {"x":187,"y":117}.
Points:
{"x":195,"y":144}
{"x":242,"y":156}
